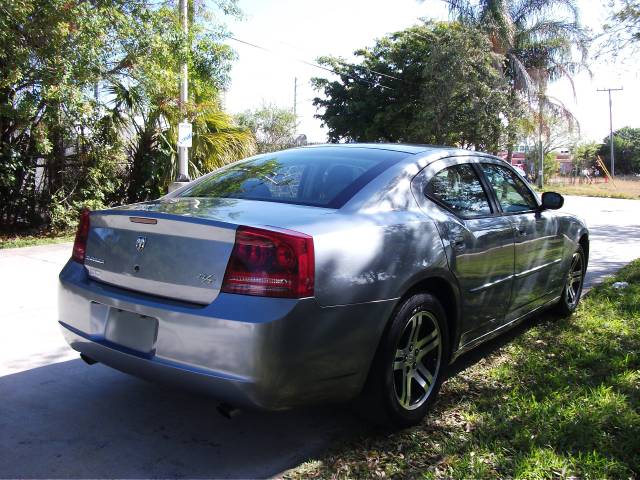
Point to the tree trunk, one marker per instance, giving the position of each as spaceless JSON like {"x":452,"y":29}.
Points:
{"x":56,"y":162}
{"x":511,"y":126}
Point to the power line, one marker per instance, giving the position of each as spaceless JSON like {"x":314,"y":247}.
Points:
{"x":352,"y":65}
{"x":315,"y":65}
{"x":373,"y":71}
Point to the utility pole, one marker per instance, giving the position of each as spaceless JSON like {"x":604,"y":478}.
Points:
{"x":183,"y":152}
{"x":541,"y":151}
{"x":295,"y":99}
{"x":613,"y":162}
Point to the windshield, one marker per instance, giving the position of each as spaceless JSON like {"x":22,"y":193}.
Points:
{"x":324,"y":177}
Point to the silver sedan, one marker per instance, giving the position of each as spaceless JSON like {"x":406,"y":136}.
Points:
{"x":321,"y":274}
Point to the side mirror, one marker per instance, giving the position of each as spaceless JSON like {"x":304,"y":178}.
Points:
{"x":552,"y":201}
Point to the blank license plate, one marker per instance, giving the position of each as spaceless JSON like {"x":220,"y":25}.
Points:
{"x":132,"y":330}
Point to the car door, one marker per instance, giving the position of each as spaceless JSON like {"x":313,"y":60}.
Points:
{"x":479,"y":242}
{"x":538,"y":242}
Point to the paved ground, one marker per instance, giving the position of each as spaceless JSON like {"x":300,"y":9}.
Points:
{"x":61,"y":418}
{"x":614,"y":227}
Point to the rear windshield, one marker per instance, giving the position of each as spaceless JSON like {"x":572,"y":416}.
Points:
{"x":323,"y":177}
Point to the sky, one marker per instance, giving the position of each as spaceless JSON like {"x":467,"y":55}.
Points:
{"x":292,"y":32}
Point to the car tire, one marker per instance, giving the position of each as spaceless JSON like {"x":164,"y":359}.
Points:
{"x":409,"y":365}
{"x":574,"y":281}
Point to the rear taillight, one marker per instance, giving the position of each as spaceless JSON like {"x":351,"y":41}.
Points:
{"x":270,"y":263}
{"x":80,"y":244}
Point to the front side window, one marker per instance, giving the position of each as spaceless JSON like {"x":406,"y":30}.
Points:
{"x":513,"y":195}
{"x":324,"y":177}
{"x":459,"y":188}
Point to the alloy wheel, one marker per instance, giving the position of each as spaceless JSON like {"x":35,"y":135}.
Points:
{"x":574,"y":280}
{"x":416,"y":365}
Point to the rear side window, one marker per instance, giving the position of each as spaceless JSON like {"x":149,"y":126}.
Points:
{"x":324,"y":177}
{"x":513,"y":195}
{"x":459,"y":188}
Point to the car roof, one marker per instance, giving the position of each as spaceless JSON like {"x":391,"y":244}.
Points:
{"x":421,"y":150}
{"x":396,"y":147}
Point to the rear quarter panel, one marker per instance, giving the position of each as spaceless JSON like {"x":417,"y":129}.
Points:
{"x":374,"y":256}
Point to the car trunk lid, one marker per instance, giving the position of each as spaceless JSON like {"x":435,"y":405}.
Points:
{"x":168,"y":255}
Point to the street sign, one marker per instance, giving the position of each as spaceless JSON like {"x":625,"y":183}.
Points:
{"x":185,"y":135}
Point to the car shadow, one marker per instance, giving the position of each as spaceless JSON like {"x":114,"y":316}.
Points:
{"x":489,"y":347}
{"x":70,"y":420}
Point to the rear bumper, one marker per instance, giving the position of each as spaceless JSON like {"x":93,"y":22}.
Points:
{"x":248,"y":351}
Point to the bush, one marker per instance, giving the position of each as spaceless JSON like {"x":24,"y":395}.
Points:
{"x":64,"y":215}
{"x":99,"y":182}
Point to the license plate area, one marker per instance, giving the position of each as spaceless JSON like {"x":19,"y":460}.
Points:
{"x":131,"y":330}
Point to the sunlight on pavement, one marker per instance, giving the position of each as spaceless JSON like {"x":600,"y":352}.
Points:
{"x":30,"y":335}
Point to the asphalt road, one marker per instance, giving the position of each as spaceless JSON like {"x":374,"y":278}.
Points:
{"x":61,"y":418}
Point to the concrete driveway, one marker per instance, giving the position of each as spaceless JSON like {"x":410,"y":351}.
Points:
{"x":61,"y":418}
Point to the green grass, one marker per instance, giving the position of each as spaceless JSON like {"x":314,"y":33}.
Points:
{"x":33,"y":240}
{"x":560,"y":400}
{"x":627,"y":189}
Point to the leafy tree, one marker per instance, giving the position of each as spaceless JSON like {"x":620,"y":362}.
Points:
{"x":273,"y":128}
{"x":551,"y":163}
{"x":432,"y":83}
{"x":536,"y":40}
{"x":622,"y":32}
{"x":52,"y":52}
{"x":89,"y":101}
{"x":626,"y":148}
{"x":584,"y":154}
{"x":556,"y":135}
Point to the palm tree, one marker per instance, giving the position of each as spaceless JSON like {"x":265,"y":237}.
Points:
{"x":149,"y":126}
{"x":535,"y":41}
{"x":217,"y":139}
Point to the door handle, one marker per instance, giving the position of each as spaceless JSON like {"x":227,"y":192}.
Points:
{"x":522,"y":231}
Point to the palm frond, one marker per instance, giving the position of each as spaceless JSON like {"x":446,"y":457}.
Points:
{"x":544,"y":29}
{"x":524,"y":10}
{"x":560,"y":70}
{"x":555,"y":108}
{"x":521,"y":76}
{"x":218,"y":141}
{"x":462,"y":10}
